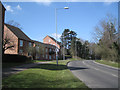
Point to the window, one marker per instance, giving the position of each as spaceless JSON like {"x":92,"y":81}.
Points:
{"x":21,"y":43}
{"x":37,"y":47}
{"x":54,"y":56}
{"x":43,"y":55}
{"x":46,"y":50}
{"x":30,"y":44}
{"x":29,"y":53}
{"x":37,"y":56}
{"x":49,"y":56}
{"x":20,"y":51}
{"x":49,"y":40}
{"x":46,"y":56}
{"x":43,"y":50}
{"x":50,"y":50}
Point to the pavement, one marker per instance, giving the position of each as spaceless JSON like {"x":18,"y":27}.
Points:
{"x":9,"y":71}
{"x":94,"y":75}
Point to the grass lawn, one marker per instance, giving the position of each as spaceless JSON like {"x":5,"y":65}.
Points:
{"x":113,"y":64}
{"x":9,"y":65}
{"x":75,"y":59}
{"x":44,"y":76}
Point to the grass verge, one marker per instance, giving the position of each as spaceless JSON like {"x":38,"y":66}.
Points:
{"x":72,"y":59}
{"x":113,"y":64}
{"x":44,"y":76}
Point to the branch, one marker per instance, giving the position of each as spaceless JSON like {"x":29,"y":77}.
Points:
{"x":9,"y":47}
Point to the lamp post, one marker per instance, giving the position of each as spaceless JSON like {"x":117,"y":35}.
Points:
{"x":56,"y":29}
{"x":63,"y":49}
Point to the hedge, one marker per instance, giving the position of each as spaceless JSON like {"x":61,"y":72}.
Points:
{"x":15,"y":58}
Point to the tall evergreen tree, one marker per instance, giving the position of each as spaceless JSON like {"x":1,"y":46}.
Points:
{"x":66,"y":39}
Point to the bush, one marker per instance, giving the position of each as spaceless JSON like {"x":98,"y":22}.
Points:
{"x":15,"y":58}
{"x":68,"y":56}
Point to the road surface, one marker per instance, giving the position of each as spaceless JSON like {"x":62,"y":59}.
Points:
{"x":94,"y":75}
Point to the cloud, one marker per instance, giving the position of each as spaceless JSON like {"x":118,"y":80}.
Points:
{"x":18,"y":7}
{"x":44,"y":2}
{"x":49,"y":1}
{"x":8,"y":8}
{"x":58,"y":35}
{"x":109,"y":2}
{"x":12,"y":9}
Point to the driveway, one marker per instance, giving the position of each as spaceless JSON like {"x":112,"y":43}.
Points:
{"x":94,"y":75}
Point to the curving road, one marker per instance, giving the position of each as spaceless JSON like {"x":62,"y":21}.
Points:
{"x":94,"y":75}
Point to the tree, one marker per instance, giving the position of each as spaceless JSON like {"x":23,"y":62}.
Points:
{"x":79,"y":48}
{"x":13,"y":23}
{"x":86,"y":48}
{"x":105,"y":34}
{"x":35,"y":51}
{"x":76,"y":48}
{"x":8,"y":43}
{"x":72,"y":49}
{"x":66,"y":39}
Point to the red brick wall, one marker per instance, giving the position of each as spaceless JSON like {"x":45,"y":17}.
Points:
{"x":13,"y":38}
{"x":48,"y":47}
{"x":24,"y":47}
{"x":48,"y":40}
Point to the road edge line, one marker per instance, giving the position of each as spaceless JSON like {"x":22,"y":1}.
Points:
{"x":106,"y":65}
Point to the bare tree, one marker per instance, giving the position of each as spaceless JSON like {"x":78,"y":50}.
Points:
{"x":16,"y":24}
{"x":104,"y":36}
{"x":105,"y":28}
{"x":8,"y":43}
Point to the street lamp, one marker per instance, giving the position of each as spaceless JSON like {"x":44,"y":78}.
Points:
{"x":56,"y":29}
{"x":63,"y":49}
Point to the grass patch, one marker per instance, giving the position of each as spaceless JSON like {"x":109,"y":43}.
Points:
{"x":34,"y":61}
{"x":113,"y":64}
{"x":44,"y":76}
{"x":72,"y":59}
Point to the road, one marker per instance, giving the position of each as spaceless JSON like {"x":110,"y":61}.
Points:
{"x":94,"y":75}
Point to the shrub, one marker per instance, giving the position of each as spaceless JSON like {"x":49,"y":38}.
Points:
{"x":15,"y":58}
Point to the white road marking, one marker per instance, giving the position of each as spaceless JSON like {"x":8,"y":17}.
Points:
{"x":100,"y":70}
{"x":114,"y":75}
{"x":105,"y":65}
{"x":96,"y":69}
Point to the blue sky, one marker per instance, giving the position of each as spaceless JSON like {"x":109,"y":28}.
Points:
{"x":38,"y":19}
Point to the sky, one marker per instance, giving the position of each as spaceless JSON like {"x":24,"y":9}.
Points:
{"x":37,"y":19}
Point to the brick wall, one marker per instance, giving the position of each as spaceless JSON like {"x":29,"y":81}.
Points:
{"x":24,"y":48}
{"x":48,"y":40}
{"x":45,"y":54}
{"x":13,"y":39}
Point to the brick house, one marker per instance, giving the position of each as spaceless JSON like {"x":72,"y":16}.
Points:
{"x":50,"y":40}
{"x":21,"y":43}
{"x":20,"y":40}
{"x":46,"y":50}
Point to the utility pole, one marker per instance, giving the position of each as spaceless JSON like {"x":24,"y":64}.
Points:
{"x":56,"y":31}
{"x":63,"y":50}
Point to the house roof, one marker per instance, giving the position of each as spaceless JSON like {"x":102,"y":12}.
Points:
{"x":54,"y":40}
{"x":18,"y":32}
{"x":42,"y":43}
{"x":2,"y":5}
